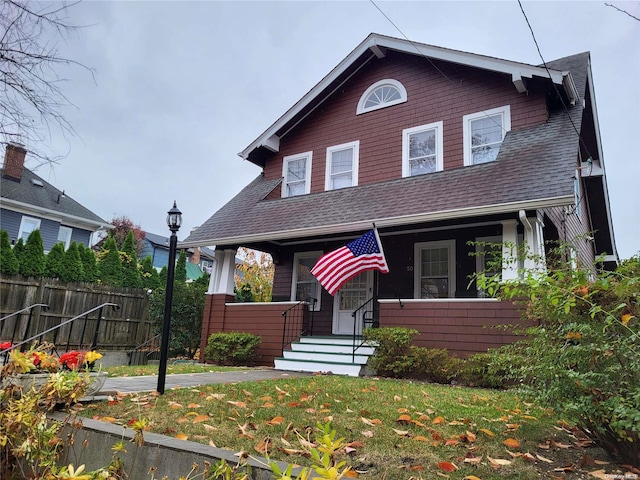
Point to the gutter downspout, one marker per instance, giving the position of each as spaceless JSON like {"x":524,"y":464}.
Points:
{"x":529,"y":263}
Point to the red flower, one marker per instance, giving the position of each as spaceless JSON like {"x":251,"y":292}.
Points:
{"x":5,"y":345}
{"x":71,"y":360}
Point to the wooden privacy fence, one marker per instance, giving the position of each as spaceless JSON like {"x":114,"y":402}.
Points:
{"x":123,"y":329}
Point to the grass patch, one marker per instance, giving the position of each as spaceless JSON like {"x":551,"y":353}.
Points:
{"x":397,"y":429}
{"x":141,"y":370}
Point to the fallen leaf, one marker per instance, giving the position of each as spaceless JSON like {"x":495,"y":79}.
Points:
{"x":396,"y":398}
{"x":470,"y":477}
{"x":543,"y":459}
{"x":275,"y":421}
{"x":367,"y":433}
{"x":107,"y":419}
{"x":487,"y":432}
{"x":438,"y":421}
{"x":528,"y":457}
{"x":404,"y":419}
{"x":473,"y":460}
{"x":601,"y":474}
{"x":559,"y":444}
{"x":209,"y":428}
{"x":175,"y":405}
{"x":421,"y":438}
{"x":565,"y":469}
{"x":193,"y":405}
{"x":447,"y":466}
{"x":350,"y":474}
{"x":263,"y":446}
{"x":402,"y":433}
{"x":499,"y":462}
{"x":366,"y":421}
{"x":512,"y":443}
{"x":216,"y":396}
{"x":181,"y":436}
{"x":237,"y":404}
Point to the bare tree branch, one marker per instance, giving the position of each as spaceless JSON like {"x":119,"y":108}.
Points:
{"x":31,"y":99}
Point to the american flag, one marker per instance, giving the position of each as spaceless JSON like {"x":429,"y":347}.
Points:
{"x":336,"y":268}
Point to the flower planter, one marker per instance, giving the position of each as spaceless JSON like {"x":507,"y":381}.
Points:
{"x":26,"y":381}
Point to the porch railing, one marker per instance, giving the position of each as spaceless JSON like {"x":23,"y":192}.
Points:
{"x":297,"y":321}
{"x":365,"y":316}
{"x":57,"y":328}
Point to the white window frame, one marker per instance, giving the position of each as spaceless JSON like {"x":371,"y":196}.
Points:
{"x":285,"y":162}
{"x":67,"y":240}
{"x":355,"y":160}
{"x":24,"y":222}
{"x":417,"y":274}
{"x":505,"y":111}
{"x":297,"y":256}
{"x":406,"y":136}
{"x":388,"y":81}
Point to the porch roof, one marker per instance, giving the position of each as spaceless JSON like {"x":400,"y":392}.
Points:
{"x":534,"y":169}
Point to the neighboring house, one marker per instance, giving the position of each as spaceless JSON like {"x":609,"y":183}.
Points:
{"x":438,"y":148}
{"x":28,"y":203}
{"x":156,"y":247}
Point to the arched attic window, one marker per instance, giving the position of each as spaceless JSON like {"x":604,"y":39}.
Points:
{"x":382,"y":94}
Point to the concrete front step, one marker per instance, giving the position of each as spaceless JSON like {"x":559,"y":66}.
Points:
{"x":350,"y":369}
{"x":325,"y":354}
{"x":345,"y":357}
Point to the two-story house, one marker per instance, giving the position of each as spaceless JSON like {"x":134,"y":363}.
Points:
{"x":440,"y":149}
{"x":28,"y":203}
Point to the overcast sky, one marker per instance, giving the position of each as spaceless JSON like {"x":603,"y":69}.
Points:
{"x":179,"y":88}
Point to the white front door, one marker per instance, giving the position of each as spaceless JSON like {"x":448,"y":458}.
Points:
{"x":352,"y":295}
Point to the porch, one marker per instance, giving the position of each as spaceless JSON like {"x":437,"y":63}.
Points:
{"x":462,"y":326}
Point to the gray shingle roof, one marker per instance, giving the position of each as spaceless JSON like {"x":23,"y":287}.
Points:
{"x":535,"y":166}
{"x":46,"y":197}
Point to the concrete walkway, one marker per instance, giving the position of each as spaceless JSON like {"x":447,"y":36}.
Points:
{"x":149,"y":383}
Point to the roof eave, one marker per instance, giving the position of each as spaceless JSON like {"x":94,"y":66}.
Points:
{"x":70,"y":220}
{"x":324,"y":230}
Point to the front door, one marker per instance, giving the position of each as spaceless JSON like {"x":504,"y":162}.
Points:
{"x":352,"y":295}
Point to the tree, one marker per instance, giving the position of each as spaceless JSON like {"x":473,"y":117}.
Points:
{"x":54,"y":267}
{"x":72,"y":266}
{"x":256,"y":271}
{"x":186,"y":315}
{"x":129,"y":258}
{"x":148,"y":274}
{"x":122,"y":226}
{"x":89,"y":266}
{"x":31,"y":103}
{"x":181,"y":268}
{"x":32,"y":259}
{"x":109,"y":264}
{"x":8,"y":262}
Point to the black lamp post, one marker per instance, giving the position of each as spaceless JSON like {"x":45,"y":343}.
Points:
{"x":174,"y":220}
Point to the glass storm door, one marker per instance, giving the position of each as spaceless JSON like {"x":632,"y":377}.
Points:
{"x":352,"y":295}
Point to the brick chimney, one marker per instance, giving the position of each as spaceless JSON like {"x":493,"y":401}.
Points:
{"x":13,"y":161}
{"x":195,"y":255}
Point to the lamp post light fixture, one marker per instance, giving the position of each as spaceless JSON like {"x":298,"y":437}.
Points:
{"x":174,"y":220}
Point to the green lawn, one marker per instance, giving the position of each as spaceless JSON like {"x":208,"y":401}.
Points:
{"x":181,"y":367}
{"x":395,"y":429}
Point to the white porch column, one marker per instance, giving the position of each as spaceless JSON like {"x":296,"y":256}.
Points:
{"x":534,"y":242}
{"x":509,"y":250}
{"x":214,"y":280}
{"x":227,"y":280}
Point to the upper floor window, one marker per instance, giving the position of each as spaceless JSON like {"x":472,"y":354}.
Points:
{"x":382,"y":94}
{"x":422,"y":149}
{"x":64,"y":236}
{"x":296,"y":173}
{"x":28,"y":225}
{"x":483,"y":134}
{"x":342,"y":166}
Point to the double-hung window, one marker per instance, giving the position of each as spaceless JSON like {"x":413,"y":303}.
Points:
{"x":434,"y":269}
{"x":28,"y":225}
{"x":64,"y":236}
{"x":342,"y":166}
{"x":483,"y":134}
{"x":296,"y":173}
{"x":422,"y":149}
{"x":304,"y":285}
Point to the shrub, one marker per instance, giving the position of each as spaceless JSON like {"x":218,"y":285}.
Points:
{"x":72,"y":264}
{"x":32,"y":259}
{"x":493,"y":369}
{"x":8,"y":262}
{"x":392,"y":356}
{"x":232,"y":348}
{"x":434,"y":364}
{"x":109,"y":264}
{"x":129,"y":259}
{"x":582,"y":358}
{"x":54,"y":266}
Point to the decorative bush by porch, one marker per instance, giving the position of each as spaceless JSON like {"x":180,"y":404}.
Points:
{"x":232,"y":348}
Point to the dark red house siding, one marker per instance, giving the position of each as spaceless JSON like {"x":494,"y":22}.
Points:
{"x":431,"y":98}
{"x":463,"y":327}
